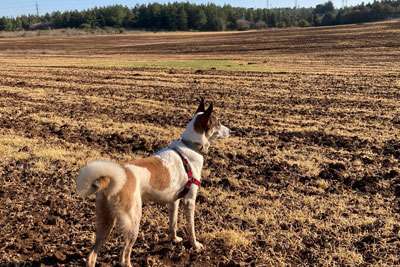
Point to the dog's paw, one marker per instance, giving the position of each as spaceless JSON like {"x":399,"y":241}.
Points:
{"x":198,"y":246}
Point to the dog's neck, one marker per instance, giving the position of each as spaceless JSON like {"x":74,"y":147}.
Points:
{"x":193,"y":144}
{"x":192,"y":136}
{"x":195,"y":158}
{"x":199,"y":148}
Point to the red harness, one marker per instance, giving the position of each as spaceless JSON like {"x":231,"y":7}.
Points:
{"x":191,"y":179}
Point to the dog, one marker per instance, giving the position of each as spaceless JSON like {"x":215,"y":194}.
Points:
{"x":169,"y":176}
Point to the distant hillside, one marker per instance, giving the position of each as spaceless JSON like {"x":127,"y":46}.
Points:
{"x":210,"y":17}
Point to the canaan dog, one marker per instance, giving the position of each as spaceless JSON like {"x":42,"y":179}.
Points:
{"x":168,"y":176}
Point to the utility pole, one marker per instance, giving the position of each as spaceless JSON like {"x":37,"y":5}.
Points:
{"x":37,"y":9}
{"x":295,"y":3}
{"x":267,"y":4}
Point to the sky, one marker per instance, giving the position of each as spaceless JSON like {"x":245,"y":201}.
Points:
{"x":11,"y":8}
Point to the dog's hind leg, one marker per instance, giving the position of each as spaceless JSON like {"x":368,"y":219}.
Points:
{"x":105,"y":221}
{"x":131,"y":231}
{"x":173,"y":221}
{"x":126,"y":252}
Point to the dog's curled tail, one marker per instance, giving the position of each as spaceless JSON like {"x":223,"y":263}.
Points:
{"x":101,"y":175}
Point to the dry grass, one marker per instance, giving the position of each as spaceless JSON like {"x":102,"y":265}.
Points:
{"x":230,"y":238}
{"x":309,"y":177}
{"x":60,"y":33}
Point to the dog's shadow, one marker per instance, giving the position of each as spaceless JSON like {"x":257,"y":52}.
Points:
{"x":44,"y":261}
{"x":177,"y":253}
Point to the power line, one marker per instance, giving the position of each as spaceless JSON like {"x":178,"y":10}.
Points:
{"x":37,"y":9}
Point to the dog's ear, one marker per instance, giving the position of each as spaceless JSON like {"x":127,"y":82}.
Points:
{"x":206,"y":118}
{"x":203,"y":122}
{"x":201,"y":106}
{"x":208,"y":112}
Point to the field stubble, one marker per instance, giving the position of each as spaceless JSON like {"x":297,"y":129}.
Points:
{"x":310,"y":176}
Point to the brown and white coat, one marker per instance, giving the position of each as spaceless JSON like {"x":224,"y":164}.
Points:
{"x":122,"y":188}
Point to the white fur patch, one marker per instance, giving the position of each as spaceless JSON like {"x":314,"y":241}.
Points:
{"x":96,"y":169}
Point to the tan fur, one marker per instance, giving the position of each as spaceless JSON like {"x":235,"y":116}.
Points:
{"x":126,"y":193}
{"x":160,"y":177}
{"x":103,"y":182}
{"x":125,"y":204}
{"x":105,"y":221}
{"x":103,"y":213}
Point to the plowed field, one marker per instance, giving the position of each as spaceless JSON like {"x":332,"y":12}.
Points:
{"x":310,"y":176}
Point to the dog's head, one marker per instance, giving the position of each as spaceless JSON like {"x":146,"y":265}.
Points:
{"x":204,"y":128}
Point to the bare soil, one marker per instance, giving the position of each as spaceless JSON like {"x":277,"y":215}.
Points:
{"x":309,"y":177}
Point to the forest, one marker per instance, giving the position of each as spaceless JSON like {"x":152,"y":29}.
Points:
{"x":184,"y":16}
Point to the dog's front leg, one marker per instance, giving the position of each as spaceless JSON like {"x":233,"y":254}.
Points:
{"x":173,"y":221}
{"x":189,"y":211}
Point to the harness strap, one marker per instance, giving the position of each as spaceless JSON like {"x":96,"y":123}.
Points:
{"x":188,"y":170}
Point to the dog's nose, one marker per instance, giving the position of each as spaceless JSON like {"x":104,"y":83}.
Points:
{"x":227,"y":131}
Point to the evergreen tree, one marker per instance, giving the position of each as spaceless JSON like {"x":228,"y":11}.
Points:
{"x":210,"y":17}
{"x":196,"y":18}
{"x":182,"y":19}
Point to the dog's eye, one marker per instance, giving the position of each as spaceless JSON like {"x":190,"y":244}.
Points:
{"x":95,"y":185}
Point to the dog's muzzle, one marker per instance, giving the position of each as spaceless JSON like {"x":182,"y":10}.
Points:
{"x":223,"y":132}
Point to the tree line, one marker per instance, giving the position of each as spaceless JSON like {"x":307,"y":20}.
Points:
{"x":210,"y":17}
